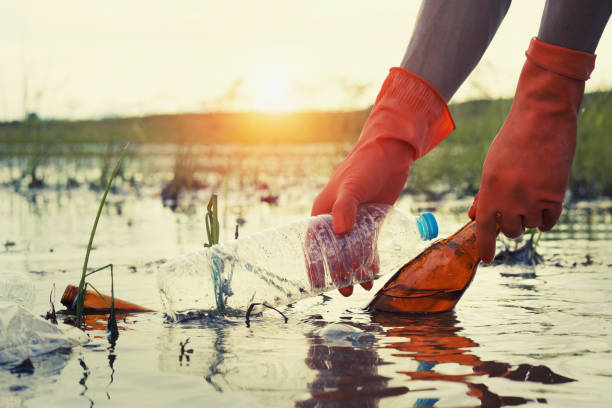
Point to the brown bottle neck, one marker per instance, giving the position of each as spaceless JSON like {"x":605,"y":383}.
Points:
{"x":466,"y":238}
{"x":69,"y":296}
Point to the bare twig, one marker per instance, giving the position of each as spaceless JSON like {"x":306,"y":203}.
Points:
{"x":252,"y":306}
{"x":51,"y":313}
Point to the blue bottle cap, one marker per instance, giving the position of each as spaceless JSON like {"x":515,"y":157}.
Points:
{"x":428,"y":226}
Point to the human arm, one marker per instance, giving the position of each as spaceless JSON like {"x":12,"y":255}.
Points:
{"x":449,"y":39}
{"x":574,"y":24}
{"x":410,"y":115}
{"x":526,"y":171}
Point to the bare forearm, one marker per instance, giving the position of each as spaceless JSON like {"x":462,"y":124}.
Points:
{"x":575,"y":24}
{"x":450,"y":38}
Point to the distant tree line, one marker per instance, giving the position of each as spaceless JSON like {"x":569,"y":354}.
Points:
{"x":454,"y":166}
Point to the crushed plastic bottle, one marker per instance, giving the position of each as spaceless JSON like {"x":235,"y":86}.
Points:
{"x":23,"y":334}
{"x":282,"y":265}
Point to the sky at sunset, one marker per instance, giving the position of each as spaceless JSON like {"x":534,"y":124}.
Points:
{"x":80,"y":59}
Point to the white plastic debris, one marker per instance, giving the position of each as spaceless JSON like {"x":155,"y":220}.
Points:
{"x":344,"y":334}
{"x":24,"y":335}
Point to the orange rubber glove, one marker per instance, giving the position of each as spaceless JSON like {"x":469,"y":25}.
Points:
{"x":526,"y":172}
{"x":408,"y":119}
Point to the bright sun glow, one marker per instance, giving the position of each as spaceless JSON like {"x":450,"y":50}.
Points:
{"x":269,"y":90}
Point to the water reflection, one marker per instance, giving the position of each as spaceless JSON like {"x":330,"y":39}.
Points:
{"x":587,"y":220}
{"x":199,"y":348}
{"x":98,"y":322}
{"x":435,"y":340}
{"x":218,"y":357}
{"x":97,"y":325}
{"x":83,"y":381}
{"x":23,"y":382}
{"x":348,"y":376}
{"x":111,"y":364}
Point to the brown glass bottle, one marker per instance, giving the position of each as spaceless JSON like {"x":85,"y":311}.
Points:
{"x":93,"y":301}
{"x":435,"y":280}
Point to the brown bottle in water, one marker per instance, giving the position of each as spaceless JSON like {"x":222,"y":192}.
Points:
{"x":435,"y":280}
{"x":96,"y":302}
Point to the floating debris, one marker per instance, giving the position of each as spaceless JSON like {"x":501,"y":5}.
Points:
{"x":525,"y":255}
{"x":270,"y":199}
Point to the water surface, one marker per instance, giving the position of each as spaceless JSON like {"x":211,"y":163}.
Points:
{"x":538,"y":336}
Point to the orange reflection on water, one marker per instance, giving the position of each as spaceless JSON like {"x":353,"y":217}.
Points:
{"x":433,"y":340}
{"x":99,"y":322}
{"x":347,"y":375}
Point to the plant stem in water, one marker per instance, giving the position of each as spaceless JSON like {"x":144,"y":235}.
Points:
{"x":81,"y":292}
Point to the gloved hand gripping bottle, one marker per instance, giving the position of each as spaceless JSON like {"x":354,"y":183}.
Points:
{"x":294,"y":261}
{"x":435,"y":280}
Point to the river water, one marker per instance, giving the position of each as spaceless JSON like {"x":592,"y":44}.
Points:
{"x":519,"y":335}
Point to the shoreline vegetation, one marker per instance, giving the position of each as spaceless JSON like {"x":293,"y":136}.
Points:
{"x":453,"y":167}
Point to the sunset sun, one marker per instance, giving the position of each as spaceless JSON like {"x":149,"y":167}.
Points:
{"x":269,"y":90}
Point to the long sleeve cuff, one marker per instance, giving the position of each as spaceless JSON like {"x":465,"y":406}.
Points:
{"x":416,"y":100}
{"x":560,"y":60}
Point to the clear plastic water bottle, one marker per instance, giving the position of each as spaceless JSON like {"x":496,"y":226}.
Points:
{"x":294,"y":261}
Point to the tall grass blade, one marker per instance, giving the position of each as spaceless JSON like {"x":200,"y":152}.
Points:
{"x":81,"y":292}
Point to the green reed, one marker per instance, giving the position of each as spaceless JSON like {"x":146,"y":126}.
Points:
{"x":212,"y":222}
{"x":212,"y":232}
{"x":113,"y":330}
{"x":82,"y":283}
